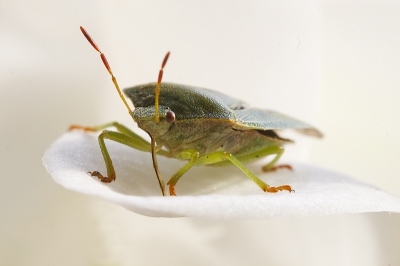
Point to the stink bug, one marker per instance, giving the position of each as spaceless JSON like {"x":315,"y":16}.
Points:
{"x":199,"y":125}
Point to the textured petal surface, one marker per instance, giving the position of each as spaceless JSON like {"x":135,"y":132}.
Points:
{"x":210,"y":192}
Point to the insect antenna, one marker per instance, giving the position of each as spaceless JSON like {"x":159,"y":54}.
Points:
{"x":105,"y":62}
{"x":160,"y":75}
{"x":157,"y":119}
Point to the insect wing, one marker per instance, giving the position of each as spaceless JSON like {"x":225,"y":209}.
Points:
{"x":231,"y":102}
{"x":258,"y":119}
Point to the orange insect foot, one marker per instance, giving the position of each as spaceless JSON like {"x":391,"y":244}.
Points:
{"x":286,"y":166}
{"x":172,"y":191}
{"x":277,"y":189}
{"x":86,"y":129}
{"x":102,"y":178}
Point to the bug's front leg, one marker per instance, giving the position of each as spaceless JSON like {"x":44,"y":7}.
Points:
{"x":119,"y":127}
{"x":135,"y":142}
{"x":124,"y":136}
{"x":123,"y":139}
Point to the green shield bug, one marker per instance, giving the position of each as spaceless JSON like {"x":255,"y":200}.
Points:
{"x":201,"y":126}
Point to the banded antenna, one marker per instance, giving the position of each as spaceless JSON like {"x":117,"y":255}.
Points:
{"x":160,"y":75}
{"x":105,"y":62}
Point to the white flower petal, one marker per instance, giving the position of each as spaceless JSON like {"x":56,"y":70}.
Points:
{"x":211,"y":192}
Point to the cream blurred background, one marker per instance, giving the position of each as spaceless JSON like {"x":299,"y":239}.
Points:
{"x":332,"y":63}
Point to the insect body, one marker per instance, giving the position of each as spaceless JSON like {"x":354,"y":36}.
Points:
{"x":199,"y":125}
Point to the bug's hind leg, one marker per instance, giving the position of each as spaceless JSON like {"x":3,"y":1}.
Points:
{"x":216,"y":158}
{"x":265,"y":187}
{"x":223,"y":158}
{"x":278,"y":150}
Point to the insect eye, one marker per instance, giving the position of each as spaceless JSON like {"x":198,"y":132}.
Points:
{"x":170,"y":116}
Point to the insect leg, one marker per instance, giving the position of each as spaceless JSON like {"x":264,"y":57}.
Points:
{"x":278,"y":150}
{"x":251,"y":156}
{"x":221,"y":156}
{"x":190,"y":155}
{"x":124,"y":130}
{"x":121,"y":128}
{"x":123,"y":139}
